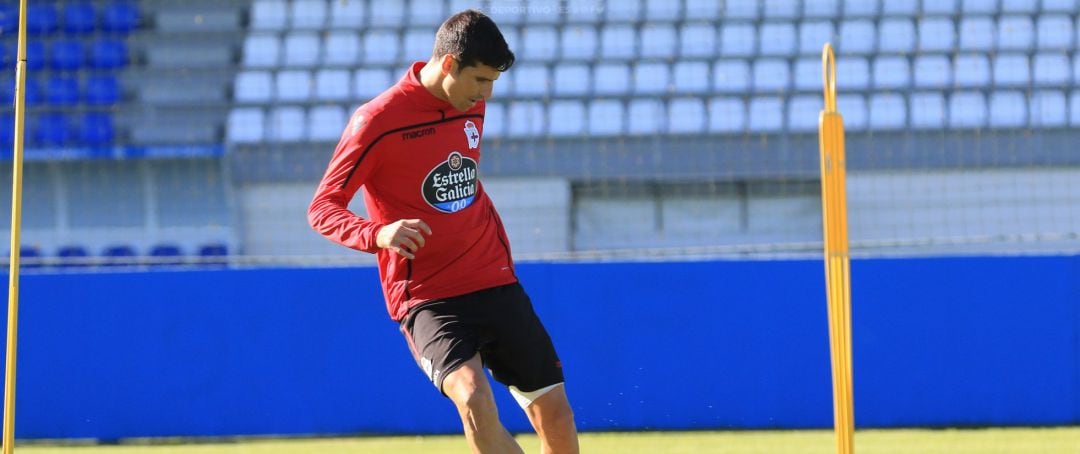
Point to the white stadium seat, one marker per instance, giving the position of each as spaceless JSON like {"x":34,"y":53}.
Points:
{"x":731,"y":76}
{"x":1016,"y":33}
{"x":262,"y":51}
{"x":418,"y":45}
{"x":967,"y":109}
{"x":1051,"y":69}
{"x":342,"y":48}
{"x":651,"y":78}
{"x":897,"y":36}
{"x":777,"y":39}
{"x":1059,"y":6}
{"x":899,"y":7}
{"x":1048,"y":109}
{"x":690,"y":77}
{"x":766,"y":114}
{"x":292,"y":85}
{"x":494,"y":120}
{"x":705,"y":10}
{"x":566,"y":118}
{"x":803,"y":112}
{"x":888,"y":111}
{"x":1018,"y":6}
{"x":253,"y":86}
{"x":645,"y":116}
{"x":1011,"y":70}
{"x":381,"y":47}
{"x":807,"y":74}
{"x":939,"y":7}
{"x":971,"y":70}
{"x":308,"y":14}
{"x":618,"y":42}
{"x":428,"y":14}
{"x":737,"y":39}
{"x":1008,"y":109}
{"x":822,"y":9}
{"x":347,"y":15}
{"x":526,"y":119}
{"x":936,"y":34}
{"x":891,"y":72}
{"x":853,"y":108}
{"x":302,"y":49}
{"x":697,"y":39}
{"x":368,"y":83}
{"x":933,"y":71}
{"x":572,"y":79}
{"x":927,"y":110}
{"x":727,"y":115}
{"x":332,"y":85}
{"x":686,"y":116}
{"x":741,"y":9}
{"x":977,"y":33}
{"x":611,"y":79}
{"x":288,"y":124}
{"x":245,"y":125}
{"x":269,"y":15}
{"x":662,"y":10}
{"x":531,"y":80}
{"x":606,"y":118}
{"x":974,"y":7}
{"x":385,"y":13}
{"x":326,"y":123}
{"x":781,"y":9}
{"x":852,"y":74}
{"x":540,"y":43}
{"x":578,"y":42}
{"x":1074,"y":108}
{"x":1054,"y":32}
{"x":658,"y":41}
{"x":622,"y":11}
{"x":862,"y":8}
{"x":771,"y":74}
{"x":813,"y":35}
{"x":857,"y":37}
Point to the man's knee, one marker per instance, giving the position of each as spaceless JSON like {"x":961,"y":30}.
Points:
{"x":469,"y":390}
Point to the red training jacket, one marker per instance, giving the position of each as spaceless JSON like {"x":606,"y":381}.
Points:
{"x":416,"y":158}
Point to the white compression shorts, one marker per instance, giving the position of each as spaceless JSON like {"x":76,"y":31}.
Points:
{"x":524,"y":399}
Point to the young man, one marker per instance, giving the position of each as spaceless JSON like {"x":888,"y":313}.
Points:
{"x":444,"y":259}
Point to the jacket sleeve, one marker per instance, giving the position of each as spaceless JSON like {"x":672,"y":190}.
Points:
{"x":353,"y":163}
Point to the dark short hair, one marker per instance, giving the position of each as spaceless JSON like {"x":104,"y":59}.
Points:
{"x":473,"y":38}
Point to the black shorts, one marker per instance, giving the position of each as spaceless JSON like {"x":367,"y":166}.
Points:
{"x":499,"y":323}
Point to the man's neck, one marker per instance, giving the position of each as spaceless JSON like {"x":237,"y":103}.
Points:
{"x":431,"y":77}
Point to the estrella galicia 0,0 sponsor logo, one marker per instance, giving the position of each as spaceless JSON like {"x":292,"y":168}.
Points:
{"x":451,"y":186}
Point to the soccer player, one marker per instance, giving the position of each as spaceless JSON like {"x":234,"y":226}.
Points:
{"x":444,"y":258}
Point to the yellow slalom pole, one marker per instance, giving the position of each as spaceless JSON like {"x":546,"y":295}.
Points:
{"x":837,"y":259}
{"x":16,"y":224}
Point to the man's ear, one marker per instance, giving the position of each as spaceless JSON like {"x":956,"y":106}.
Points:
{"x":447,"y":65}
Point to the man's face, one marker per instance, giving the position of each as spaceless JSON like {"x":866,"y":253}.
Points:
{"x":467,"y":86}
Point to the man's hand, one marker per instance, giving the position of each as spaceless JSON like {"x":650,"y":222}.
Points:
{"x":404,"y":236}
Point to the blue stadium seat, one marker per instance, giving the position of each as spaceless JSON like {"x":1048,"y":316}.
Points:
{"x":62,"y":91}
{"x":102,"y":89}
{"x":567,"y":118}
{"x":766,"y":113}
{"x":33,"y":92}
{"x":97,"y":129}
{"x":1055,"y":32}
{"x":967,"y":109}
{"x":977,"y":33}
{"x":35,"y":55}
{"x":7,"y":130}
{"x":572,"y":79}
{"x":1051,"y":69}
{"x":971,"y":70}
{"x":857,"y":37}
{"x":120,"y":17}
{"x":73,"y":256}
{"x":1048,"y":109}
{"x":687,"y":116}
{"x":79,"y":17}
{"x":41,"y":19}
{"x":606,"y":117}
{"x":53,"y":129}
{"x":697,"y":40}
{"x":119,"y":255}
{"x":9,"y":19}
{"x":1008,"y":109}
{"x":777,"y":39}
{"x":658,"y":41}
{"x":29,"y":257}
{"x":927,"y":110}
{"x":853,"y":108}
{"x":646,"y":116}
{"x":66,"y":55}
{"x":803,"y":113}
{"x":166,"y":254}
{"x":887,"y":111}
{"x":108,"y":54}
{"x":214,"y":254}
{"x":891,"y":72}
{"x":727,"y":115}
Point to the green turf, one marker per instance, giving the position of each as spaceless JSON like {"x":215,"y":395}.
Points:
{"x":980,"y":441}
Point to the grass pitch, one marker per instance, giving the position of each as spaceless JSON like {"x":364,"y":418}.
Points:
{"x":1065,"y":440}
